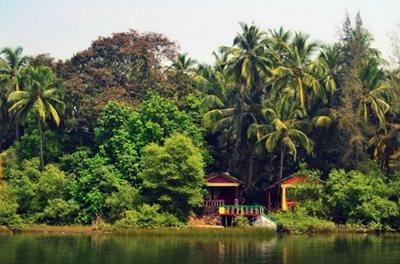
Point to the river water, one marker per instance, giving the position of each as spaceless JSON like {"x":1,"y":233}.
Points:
{"x":40,"y":249}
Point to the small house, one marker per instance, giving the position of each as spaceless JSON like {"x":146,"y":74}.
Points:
{"x":223,"y":189}
{"x":289,"y":182}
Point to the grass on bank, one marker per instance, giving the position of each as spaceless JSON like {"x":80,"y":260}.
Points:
{"x":186,"y":231}
{"x":292,"y":222}
{"x":297,"y":223}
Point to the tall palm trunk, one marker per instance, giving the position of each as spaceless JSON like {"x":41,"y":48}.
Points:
{"x":283,"y":152}
{"x":16,"y":127}
{"x":16,"y":117}
{"x":250,"y":172}
{"x":41,"y":144}
{"x":235,"y":155}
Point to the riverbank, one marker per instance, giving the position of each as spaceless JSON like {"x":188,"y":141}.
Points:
{"x":297,"y":223}
{"x":176,"y":231}
{"x":288,"y":226}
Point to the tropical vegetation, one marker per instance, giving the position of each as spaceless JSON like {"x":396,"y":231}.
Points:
{"x":125,"y":131}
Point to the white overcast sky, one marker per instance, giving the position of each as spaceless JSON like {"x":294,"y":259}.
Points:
{"x":63,"y":27}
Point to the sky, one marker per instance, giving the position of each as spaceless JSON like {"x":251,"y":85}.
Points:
{"x":64,"y":27}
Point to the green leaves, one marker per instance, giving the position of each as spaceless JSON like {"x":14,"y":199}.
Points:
{"x":354,"y":197}
{"x":121,"y":133}
{"x":173,"y":175}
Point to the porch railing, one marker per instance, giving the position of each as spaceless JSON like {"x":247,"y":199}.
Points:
{"x":214,"y":203}
{"x":245,"y":210}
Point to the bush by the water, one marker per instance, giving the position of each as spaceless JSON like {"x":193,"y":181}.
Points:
{"x":147,"y":216}
{"x":241,"y":221}
{"x":362,"y":198}
{"x":298,"y":221}
{"x":8,"y":209}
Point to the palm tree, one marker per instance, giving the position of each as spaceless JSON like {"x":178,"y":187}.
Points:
{"x":183,"y":63}
{"x":41,"y":97}
{"x":286,"y":130}
{"x":4,"y":116}
{"x":376,"y":95}
{"x":181,"y":73}
{"x":11,"y":72}
{"x":296,"y":69}
{"x":330,"y":66}
{"x":248,"y":59}
{"x":247,"y":62}
{"x":386,"y":144}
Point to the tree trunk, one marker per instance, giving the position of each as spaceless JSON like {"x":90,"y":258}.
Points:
{"x":283,"y":150}
{"x":16,"y":127}
{"x":17,"y":117}
{"x":41,"y":145}
{"x":235,"y":154}
{"x":250,"y":172}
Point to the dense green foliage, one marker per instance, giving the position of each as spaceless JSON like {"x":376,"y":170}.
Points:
{"x":125,"y":131}
{"x":365,"y":198}
{"x":174,"y":175}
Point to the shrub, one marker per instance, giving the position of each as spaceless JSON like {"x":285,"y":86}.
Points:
{"x":59,"y":212}
{"x":8,"y":210}
{"x":356,"y":197}
{"x":33,"y":191}
{"x":123,"y":199}
{"x":147,"y":216}
{"x":173,"y":176}
{"x":241,"y":221}
{"x":300,"y":222}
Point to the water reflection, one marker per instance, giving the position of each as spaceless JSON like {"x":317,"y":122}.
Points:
{"x":35,"y":249}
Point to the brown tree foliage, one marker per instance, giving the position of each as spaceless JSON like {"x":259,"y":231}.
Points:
{"x":123,"y":67}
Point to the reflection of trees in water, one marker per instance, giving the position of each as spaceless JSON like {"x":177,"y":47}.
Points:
{"x":38,"y":249}
{"x":339,"y":248}
{"x":235,"y":249}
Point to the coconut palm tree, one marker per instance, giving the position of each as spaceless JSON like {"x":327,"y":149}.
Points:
{"x":296,"y":69}
{"x":41,"y":98}
{"x":284,"y":131}
{"x":247,"y":62}
{"x":11,"y":72}
{"x":376,"y":95}
{"x":248,"y":59}
{"x":386,"y":144}
{"x":329,"y":64}
{"x":181,"y":73}
{"x":183,"y":63}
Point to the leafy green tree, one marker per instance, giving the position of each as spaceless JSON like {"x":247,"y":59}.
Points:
{"x":38,"y":193}
{"x":173,"y":176}
{"x":28,"y":146}
{"x":95,"y":185}
{"x":121,"y":67}
{"x":119,"y":137}
{"x":356,"y":50}
{"x":356,"y":197}
{"x":42,"y":98}
{"x":8,"y":209}
{"x":121,"y":133}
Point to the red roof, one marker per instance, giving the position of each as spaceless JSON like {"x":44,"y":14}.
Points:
{"x":221,"y":177}
{"x":295,"y":179}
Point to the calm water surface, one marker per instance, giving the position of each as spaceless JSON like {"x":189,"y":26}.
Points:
{"x":39,"y":249}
